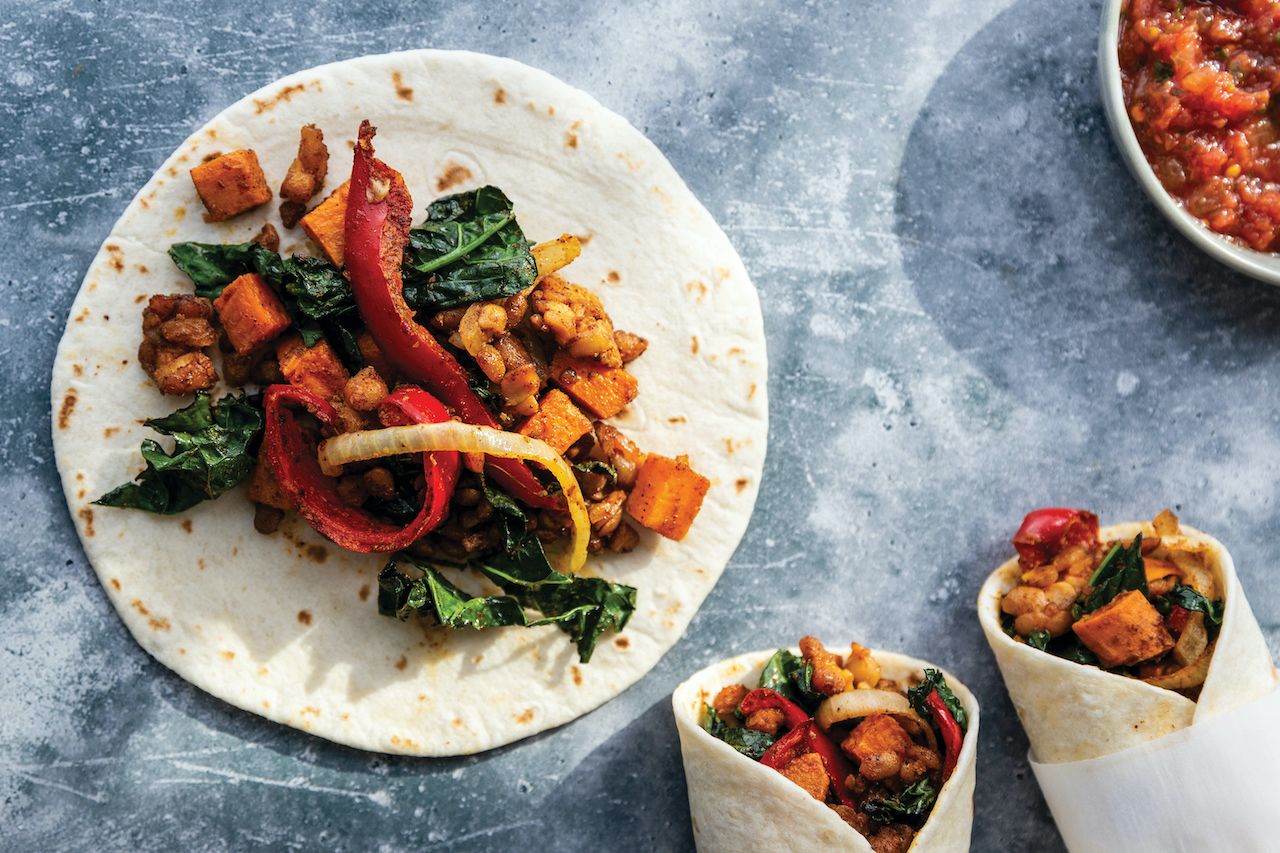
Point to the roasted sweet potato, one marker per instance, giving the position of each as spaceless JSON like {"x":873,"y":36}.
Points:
{"x":558,"y":421}
{"x":877,"y":734}
{"x":807,"y":772}
{"x":316,"y":368}
{"x":327,"y":222}
{"x":667,"y":495}
{"x":601,"y":390}
{"x":1125,"y":631}
{"x":230,"y":184}
{"x":251,"y":313}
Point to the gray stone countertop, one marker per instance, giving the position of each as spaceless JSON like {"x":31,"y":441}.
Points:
{"x":971,"y":311}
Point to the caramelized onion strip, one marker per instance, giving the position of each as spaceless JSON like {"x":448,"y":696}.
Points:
{"x":466,"y":438}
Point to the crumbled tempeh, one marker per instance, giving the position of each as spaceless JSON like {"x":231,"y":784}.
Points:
{"x":576,"y":318}
{"x":175,"y":328}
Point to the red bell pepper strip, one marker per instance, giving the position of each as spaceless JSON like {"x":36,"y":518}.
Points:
{"x":316,"y":496}
{"x":1045,"y":532}
{"x":952,"y":737}
{"x":806,"y":738}
{"x":376,"y":231}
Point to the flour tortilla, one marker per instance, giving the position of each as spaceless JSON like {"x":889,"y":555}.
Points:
{"x":1073,"y":712}
{"x":739,"y":805}
{"x":286,"y":625}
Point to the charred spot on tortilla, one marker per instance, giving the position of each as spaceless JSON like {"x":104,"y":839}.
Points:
{"x":304,"y":616}
{"x":86,"y":515}
{"x":741,"y":484}
{"x":186,"y":525}
{"x":403,"y":663}
{"x":403,"y":92}
{"x":454,"y":175}
{"x":285,"y":94}
{"x":68,"y":406}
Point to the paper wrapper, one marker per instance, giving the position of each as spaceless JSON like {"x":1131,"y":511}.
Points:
{"x":1116,"y":757}
{"x":1212,"y":786}
{"x":739,"y":805}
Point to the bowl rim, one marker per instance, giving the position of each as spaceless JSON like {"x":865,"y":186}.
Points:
{"x":1259,"y":265}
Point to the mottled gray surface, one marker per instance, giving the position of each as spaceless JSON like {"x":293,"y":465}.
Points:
{"x":971,"y":311}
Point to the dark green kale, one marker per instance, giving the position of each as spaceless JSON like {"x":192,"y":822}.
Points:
{"x":1039,"y":640}
{"x":1188,"y":599}
{"x":469,"y":249}
{"x":750,"y":743}
{"x":1122,"y":571}
{"x":935,"y":680}
{"x":213,"y":452}
{"x":212,"y":266}
{"x":792,"y":677}
{"x":317,"y":297}
{"x":582,"y":607}
{"x":911,"y":807}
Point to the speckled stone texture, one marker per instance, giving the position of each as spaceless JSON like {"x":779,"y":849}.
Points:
{"x":971,"y":311}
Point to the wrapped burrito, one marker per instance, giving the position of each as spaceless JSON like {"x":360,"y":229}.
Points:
{"x":804,"y":750}
{"x":1127,"y":650}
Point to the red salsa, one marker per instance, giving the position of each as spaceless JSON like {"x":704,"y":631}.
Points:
{"x":1198,"y":78}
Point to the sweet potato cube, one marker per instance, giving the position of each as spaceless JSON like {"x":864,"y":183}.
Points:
{"x":875,"y":735}
{"x":808,"y":772}
{"x":558,"y":421}
{"x":1125,"y":631}
{"x":667,"y":495}
{"x":601,"y":390}
{"x":327,"y":222}
{"x":251,"y":313}
{"x":316,"y":369}
{"x":230,"y":184}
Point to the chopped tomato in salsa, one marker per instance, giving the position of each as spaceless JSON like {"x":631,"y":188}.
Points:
{"x":1198,"y":79}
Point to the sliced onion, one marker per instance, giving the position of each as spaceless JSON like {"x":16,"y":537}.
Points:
{"x":852,"y":704}
{"x":465,"y":438}
{"x":1194,"y":640}
{"x":1187,"y":677}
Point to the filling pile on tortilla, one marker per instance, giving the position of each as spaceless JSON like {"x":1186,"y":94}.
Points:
{"x":1109,"y":638}
{"x":804,"y":749}
{"x":285,"y":625}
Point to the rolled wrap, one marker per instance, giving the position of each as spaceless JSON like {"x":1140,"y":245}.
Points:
{"x":740,"y":805}
{"x":1125,"y":765}
{"x":1072,"y":712}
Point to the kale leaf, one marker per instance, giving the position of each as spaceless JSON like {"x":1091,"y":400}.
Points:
{"x":1187,"y":598}
{"x":911,"y":807}
{"x":935,"y":680}
{"x":469,"y":249}
{"x":750,"y":743}
{"x":212,"y":453}
{"x":212,"y":266}
{"x":582,"y":607}
{"x":792,"y":677}
{"x":1122,"y":571}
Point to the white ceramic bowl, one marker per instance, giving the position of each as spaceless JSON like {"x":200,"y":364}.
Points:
{"x":1261,"y":265}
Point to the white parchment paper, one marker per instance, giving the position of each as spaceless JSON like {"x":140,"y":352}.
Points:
{"x":1211,"y":787}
